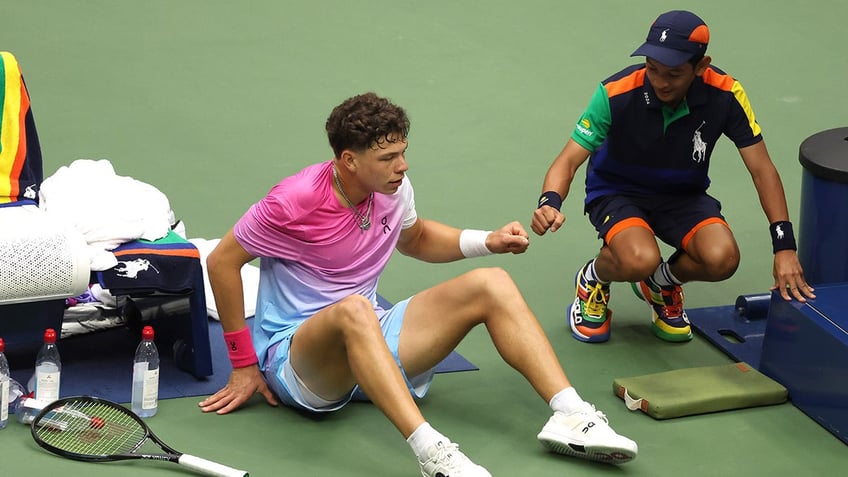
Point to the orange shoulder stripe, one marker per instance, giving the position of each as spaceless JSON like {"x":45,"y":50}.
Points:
{"x":626,"y":84}
{"x":718,"y":80}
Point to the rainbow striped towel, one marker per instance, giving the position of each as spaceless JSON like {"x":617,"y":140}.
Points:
{"x":20,"y":152}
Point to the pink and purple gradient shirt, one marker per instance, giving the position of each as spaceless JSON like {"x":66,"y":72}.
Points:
{"x":312,"y":251}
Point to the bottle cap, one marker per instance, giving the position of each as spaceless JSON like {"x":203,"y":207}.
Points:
{"x":49,"y":336}
{"x":147,"y":333}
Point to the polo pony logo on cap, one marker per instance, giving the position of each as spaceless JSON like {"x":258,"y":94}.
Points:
{"x":674,"y":38}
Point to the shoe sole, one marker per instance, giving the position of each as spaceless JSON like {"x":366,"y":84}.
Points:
{"x":606,"y":455}
{"x":673,"y":338}
{"x":599,"y":338}
{"x":659,"y":332}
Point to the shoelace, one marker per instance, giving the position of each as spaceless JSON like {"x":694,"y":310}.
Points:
{"x":597,"y":302}
{"x":673,"y":301}
{"x":590,"y":409}
{"x":448,"y":457}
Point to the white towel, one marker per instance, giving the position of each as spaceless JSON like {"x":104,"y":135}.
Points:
{"x":249,"y":279}
{"x":107,"y":208}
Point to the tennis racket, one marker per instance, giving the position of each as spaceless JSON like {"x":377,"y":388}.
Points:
{"x":96,"y":430}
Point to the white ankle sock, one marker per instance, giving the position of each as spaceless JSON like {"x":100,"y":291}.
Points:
{"x":566,"y":401}
{"x":663,"y":277}
{"x":423,"y":438}
{"x":591,"y":274}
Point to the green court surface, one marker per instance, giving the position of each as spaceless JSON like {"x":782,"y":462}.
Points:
{"x":214,"y":101}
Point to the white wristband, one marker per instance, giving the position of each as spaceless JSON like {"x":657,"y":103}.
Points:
{"x":472,"y":243}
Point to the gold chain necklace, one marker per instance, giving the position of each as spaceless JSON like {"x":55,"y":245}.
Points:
{"x":363,"y":220}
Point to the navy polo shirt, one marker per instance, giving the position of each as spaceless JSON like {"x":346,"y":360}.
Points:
{"x":640,"y":146}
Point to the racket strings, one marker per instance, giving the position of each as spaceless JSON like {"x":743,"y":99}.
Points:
{"x":90,"y":428}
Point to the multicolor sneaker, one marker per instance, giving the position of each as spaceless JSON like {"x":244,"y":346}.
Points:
{"x":587,"y":434}
{"x":589,"y":316}
{"x":668,"y":319}
{"x":445,"y":460}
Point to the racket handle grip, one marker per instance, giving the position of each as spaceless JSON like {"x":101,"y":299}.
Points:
{"x":208,"y":467}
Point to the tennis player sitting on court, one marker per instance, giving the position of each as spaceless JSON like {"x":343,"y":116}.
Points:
{"x":648,"y":133}
{"x":324,"y":236}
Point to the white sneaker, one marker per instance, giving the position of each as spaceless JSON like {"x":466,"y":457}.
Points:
{"x":587,"y":434}
{"x":445,"y":460}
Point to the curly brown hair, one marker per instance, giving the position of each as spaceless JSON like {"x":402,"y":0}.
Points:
{"x":366,"y":121}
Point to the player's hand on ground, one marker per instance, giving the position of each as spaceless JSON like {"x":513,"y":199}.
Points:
{"x":242,"y":385}
{"x":511,"y":238}
{"x":789,"y":277}
{"x":545,"y":218}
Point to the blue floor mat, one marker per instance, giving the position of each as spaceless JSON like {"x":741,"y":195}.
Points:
{"x":101,"y":365}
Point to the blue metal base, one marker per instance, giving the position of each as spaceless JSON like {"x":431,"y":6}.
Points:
{"x":806,"y":350}
{"x":802,"y":346}
{"x":737,"y":330}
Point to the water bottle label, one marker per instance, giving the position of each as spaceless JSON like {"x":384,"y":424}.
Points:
{"x":4,"y":400}
{"x":47,"y":386}
{"x":150,"y":395}
{"x":139,"y":369}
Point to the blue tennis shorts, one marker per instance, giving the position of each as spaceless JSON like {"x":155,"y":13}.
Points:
{"x":286,"y":384}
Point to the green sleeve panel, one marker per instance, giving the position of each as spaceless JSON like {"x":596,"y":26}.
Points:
{"x":594,"y":124}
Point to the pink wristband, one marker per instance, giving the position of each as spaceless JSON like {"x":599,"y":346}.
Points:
{"x":240,"y":348}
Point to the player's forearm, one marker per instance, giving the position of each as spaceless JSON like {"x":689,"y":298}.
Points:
{"x":228,"y":293}
{"x":434,"y":243}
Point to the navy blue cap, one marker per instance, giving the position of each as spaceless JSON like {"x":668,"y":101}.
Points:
{"x":674,"y":38}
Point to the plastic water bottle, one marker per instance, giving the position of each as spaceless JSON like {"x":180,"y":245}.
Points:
{"x":17,"y":393}
{"x":5,"y":379}
{"x":48,"y":370}
{"x":145,"y":385}
{"x":27,"y":408}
